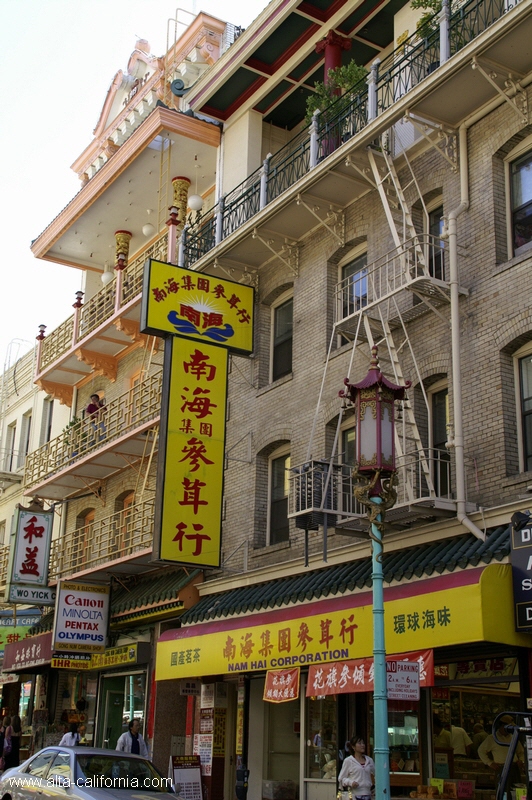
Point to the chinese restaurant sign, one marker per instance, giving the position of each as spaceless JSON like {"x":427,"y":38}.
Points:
{"x":347,"y":677}
{"x":186,"y":303}
{"x":340,"y":628}
{"x":32,"y":547}
{"x":191,"y":455}
{"x":281,"y":685}
{"x":81,"y":617}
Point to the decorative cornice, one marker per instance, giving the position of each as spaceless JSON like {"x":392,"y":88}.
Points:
{"x":59,"y":391}
{"x":102,"y":365}
{"x":132,"y":329}
{"x":160,"y":119}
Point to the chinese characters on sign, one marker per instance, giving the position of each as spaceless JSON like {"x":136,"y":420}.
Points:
{"x":428,"y":618}
{"x":281,"y":685}
{"x":28,"y":653}
{"x":194,"y":455}
{"x":357,"y":675}
{"x":32,"y":547}
{"x":206,"y":318}
{"x":198,"y":307}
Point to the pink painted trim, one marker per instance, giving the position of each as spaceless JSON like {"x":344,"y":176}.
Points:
{"x":441,"y":583}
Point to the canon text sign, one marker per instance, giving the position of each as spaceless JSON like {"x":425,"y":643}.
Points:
{"x":81,"y":617}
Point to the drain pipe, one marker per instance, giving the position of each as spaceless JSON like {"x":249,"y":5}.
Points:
{"x":458,"y":442}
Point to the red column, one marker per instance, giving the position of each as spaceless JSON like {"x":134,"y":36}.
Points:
{"x":332,"y":46}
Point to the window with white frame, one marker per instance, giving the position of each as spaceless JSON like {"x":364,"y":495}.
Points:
{"x":523,"y":367}
{"x":282,"y":332}
{"x":435,"y":229}
{"x":279,"y":472}
{"x":9,"y":455}
{"x":440,"y":458}
{"x":25,"y":437}
{"x":518,"y":176}
{"x":521,"y":203}
{"x":47,"y":419}
{"x":354,"y":278}
{"x":347,"y":457}
{"x":3,"y":532}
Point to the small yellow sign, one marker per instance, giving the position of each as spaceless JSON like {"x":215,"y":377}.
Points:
{"x":193,"y":453}
{"x":197,"y":306}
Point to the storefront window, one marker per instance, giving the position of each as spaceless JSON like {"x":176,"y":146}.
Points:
{"x":321,"y":739}
{"x":79,"y":701}
{"x":463,"y":710}
{"x":25,"y":694}
{"x":403,"y":741}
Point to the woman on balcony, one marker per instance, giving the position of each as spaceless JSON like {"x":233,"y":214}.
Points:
{"x":95,"y":412}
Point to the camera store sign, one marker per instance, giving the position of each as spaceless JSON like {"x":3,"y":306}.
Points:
{"x":81,"y":617}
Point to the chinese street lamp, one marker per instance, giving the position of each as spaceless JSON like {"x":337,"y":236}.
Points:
{"x":375,"y":476}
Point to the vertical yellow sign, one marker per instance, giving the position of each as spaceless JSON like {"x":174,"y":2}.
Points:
{"x":193,"y":454}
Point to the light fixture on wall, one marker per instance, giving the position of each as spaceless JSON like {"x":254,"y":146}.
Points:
{"x":148,"y":229}
{"x":195,"y":201}
{"x":107,"y":275}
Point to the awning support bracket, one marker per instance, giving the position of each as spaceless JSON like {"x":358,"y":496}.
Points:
{"x":334,"y":222}
{"x":519,"y":102}
{"x":288,"y":254}
{"x":446,"y":143}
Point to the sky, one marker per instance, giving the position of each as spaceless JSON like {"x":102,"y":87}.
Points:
{"x":58,"y":58}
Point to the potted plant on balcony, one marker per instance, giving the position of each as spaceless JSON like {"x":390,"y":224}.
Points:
{"x":73,"y":437}
{"x":340,"y":81}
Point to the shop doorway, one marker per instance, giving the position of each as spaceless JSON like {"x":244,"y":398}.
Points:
{"x":283,"y":737}
{"x":122,"y":698}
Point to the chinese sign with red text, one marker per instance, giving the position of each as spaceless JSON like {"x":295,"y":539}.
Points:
{"x":192,"y":453}
{"x":209,"y":310}
{"x":32,"y":547}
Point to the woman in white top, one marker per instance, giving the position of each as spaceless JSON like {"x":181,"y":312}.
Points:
{"x":357,"y":770}
{"x":70,"y":739}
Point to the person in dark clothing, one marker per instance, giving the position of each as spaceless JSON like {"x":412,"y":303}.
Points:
{"x":12,"y":759}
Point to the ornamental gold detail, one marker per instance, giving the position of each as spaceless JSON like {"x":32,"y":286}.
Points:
{"x":181,"y":186}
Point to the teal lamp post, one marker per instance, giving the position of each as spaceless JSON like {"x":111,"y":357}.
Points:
{"x":374,"y":400}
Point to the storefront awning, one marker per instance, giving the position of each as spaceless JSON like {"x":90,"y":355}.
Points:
{"x":433,"y":558}
{"x":468,"y":605}
{"x":146,"y":599}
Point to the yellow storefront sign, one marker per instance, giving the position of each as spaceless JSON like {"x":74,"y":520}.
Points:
{"x":181,"y":302}
{"x":470,"y":606}
{"x":112,"y":657}
{"x":192,"y":453}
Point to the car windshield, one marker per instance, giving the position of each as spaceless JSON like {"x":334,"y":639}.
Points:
{"x":119,"y":772}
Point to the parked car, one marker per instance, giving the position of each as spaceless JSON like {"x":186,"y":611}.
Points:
{"x":84,"y":773}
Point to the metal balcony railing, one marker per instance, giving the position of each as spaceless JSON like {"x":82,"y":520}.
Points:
{"x":82,"y":437}
{"x":318,"y":488}
{"x":419,"y":263}
{"x":100,"y":307}
{"x":397,"y":75}
{"x":118,"y":536}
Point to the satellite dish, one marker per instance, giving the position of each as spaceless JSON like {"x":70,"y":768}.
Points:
{"x":178,"y":87}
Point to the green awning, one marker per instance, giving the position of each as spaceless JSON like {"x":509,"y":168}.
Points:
{"x":450,"y":554}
